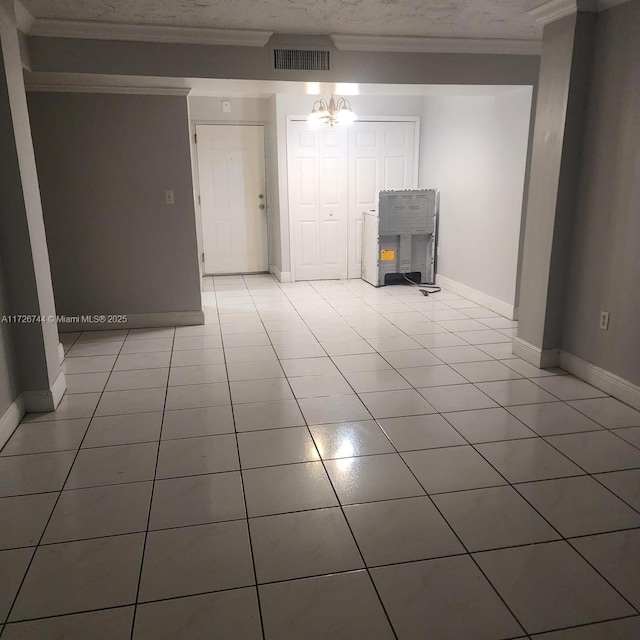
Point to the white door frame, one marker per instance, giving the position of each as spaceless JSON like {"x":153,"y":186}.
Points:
{"x":416,"y":165}
{"x":196,"y":178}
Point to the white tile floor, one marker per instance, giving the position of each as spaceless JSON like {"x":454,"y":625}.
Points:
{"x":321,"y":461}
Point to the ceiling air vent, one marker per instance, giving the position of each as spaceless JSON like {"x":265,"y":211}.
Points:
{"x":302,"y":59}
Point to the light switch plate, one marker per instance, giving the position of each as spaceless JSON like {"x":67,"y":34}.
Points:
{"x":168,"y":197}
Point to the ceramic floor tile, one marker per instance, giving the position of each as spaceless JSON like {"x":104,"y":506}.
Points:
{"x":461,"y":603}
{"x":254,"y":370}
{"x":233,"y":614}
{"x":549,"y":586}
{"x":111,"y":624}
{"x":80,"y":576}
{"x":308,"y":367}
{"x":528,"y":460}
{"x":394,"y":531}
{"x":343,"y":606}
{"x":249,"y":354}
{"x":630,"y":435}
{"x":192,"y":560}
{"x":260,"y":339}
{"x":267,"y":415}
{"x":597,"y":451}
{"x":86,"y":382}
{"x":194,"y":456}
{"x":294,"y":487}
{"x":115,"y":403}
{"x":318,"y":386}
{"x":500,"y":351}
{"x":295,"y":351}
{"x":569,"y":388}
{"x":444,"y":339}
{"x":513,"y":392}
{"x":140,"y":379}
{"x":608,"y":412}
{"x":347,"y":347}
{"x":385,"y":380}
{"x":432,"y":376}
{"x":493,"y":518}
{"x":23,"y":519}
{"x":454,"y":355}
{"x":344,"y":408}
{"x":410,"y":358}
{"x":201,"y":421}
{"x":82,"y":405}
{"x":361,"y":362}
{"x":113,"y":465}
{"x":199,"y":330}
{"x":199,"y":374}
{"x":615,"y":556}
{"x":488,"y":425}
{"x":452,"y":469}
{"x":88,"y":364}
{"x":529,"y":370}
{"x":147,"y":346}
{"x":255,"y":326}
{"x":625,"y":484}
{"x":274,"y":447}
{"x":370,"y":478}
{"x":35,"y":473}
{"x":194,"y":396}
{"x":392,"y":404}
{"x":421,"y":432}
{"x":260,"y":390}
{"x":41,"y":437}
{"x":552,"y":418}
{"x":486,"y":336}
{"x":99,"y":511}
{"x":579,"y":506}
{"x":197,"y":357}
{"x":458,"y":397}
{"x":348,"y":439}
{"x":137,"y":361}
{"x":124,"y":429}
{"x":485,"y":371}
{"x":13,"y":566}
{"x":462,"y":325}
{"x":625,"y":629}
{"x":151,"y":333}
{"x":189,"y":343}
{"x":179,"y":502}
{"x":393,"y":343}
{"x":304,"y":544}
{"x":107,"y":348}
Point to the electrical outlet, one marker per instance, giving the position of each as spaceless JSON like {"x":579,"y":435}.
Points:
{"x":604,"y":320}
{"x":168,"y":197}
{"x":226,"y":106}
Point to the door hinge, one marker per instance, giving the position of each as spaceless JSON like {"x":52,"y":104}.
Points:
{"x":195,"y":138}
{"x":199,"y":200}
{"x":202,"y":257}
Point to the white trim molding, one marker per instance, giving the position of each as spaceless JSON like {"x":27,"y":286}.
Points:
{"x":541,"y":358}
{"x":11,"y":419}
{"x":140,"y":321}
{"x":602,"y":379}
{"x":557,"y":9}
{"x":60,"y":352}
{"x":79,"y":88}
{"x":53,"y":28}
{"x":44,"y":400}
{"x":280,"y":276}
{"x":402,"y":44}
{"x":474,"y":295}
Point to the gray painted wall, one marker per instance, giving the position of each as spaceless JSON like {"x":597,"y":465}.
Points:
{"x":104,"y":163}
{"x":604,"y":266}
{"x":9,"y":387}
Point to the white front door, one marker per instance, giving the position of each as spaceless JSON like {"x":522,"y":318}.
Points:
{"x":317,"y":174}
{"x":232,"y":198}
{"x":382,"y":155}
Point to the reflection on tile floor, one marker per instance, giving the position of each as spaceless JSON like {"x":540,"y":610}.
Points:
{"x":320,"y":460}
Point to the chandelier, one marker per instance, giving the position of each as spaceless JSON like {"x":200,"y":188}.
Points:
{"x":333,"y":112}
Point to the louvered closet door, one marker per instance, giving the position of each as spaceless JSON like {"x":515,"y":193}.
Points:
{"x":381,"y":156}
{"x":318,"y":201}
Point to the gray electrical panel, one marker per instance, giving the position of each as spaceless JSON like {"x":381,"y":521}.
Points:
{"x":401,"y":239}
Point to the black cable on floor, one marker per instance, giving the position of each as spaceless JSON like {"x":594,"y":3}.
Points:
{"x":425,"y":290}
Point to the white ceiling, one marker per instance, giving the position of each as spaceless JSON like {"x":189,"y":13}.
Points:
{"x":506,"y":19}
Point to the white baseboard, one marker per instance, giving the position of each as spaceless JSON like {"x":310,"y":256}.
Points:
{"x":11,"y":419}
{"x":541,"y":358}
{"x":140,"y":321}
{"x":42,"y":400}
{"x":602,"y":379}
{"x":474,"y":295}
{"x":60,"y":352}
{"x":280,"y":276}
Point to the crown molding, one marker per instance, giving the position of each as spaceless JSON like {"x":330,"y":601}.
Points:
{"x":51,"y":28}
{"x":557,"y":9}
{"x":78,"y":88}
{"x":401,"y":44}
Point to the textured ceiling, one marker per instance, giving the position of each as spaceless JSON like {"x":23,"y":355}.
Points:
{"x":439,"y":18}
